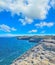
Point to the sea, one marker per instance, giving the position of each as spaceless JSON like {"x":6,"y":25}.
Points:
{"x":12,"y":48}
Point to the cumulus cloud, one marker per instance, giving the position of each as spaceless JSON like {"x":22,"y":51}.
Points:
{"x":43,"y":24}
{"x":25,"y":21}
{"x":32,"y":9}
{"x":32,"y":31}
{"x":6,"y":28}
{"x":53,"y":3}
{"x":13,"y":29}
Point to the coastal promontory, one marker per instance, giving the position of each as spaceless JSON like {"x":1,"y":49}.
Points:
{"x":41,"y":54}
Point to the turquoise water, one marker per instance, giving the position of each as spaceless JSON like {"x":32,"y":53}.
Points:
{"x":11,"y":48}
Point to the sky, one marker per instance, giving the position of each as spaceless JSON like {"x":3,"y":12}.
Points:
{"x":27,"y":17}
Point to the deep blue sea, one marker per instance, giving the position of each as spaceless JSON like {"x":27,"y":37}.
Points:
{"x":11,"y":48}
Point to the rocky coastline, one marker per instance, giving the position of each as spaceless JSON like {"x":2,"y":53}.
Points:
{"x":42,"y":54}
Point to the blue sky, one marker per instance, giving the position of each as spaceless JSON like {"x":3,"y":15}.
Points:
{"x":19,"y":17}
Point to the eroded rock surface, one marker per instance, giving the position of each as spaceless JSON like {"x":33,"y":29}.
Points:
{"x":43,"y":54}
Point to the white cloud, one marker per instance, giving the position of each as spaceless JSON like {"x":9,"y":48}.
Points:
{"x":35,"y":9}
{"x":13,"y":29}
{"x":42,"y":24}
{"x":6,"y":28}
{"x":26,"y":20}
{"x":32,"y":31}
{"x":53,"y":3}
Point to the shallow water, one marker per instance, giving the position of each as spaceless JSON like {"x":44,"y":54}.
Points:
{"x":11,"y":48}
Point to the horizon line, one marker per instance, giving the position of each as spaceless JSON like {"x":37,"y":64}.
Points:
{"x":14,"y":35}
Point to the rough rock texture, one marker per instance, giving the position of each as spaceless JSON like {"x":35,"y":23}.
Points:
{"x":43,"y":54}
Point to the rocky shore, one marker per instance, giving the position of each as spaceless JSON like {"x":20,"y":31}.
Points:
{"x":42,"y":54}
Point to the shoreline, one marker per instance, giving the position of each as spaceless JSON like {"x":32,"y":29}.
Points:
{"x":40,"y":55}
{"x":25,"y":53}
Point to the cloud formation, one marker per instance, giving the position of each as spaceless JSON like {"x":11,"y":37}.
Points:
{"x":25,"y":21}
{"x":43,"y":24}
{"x":53,"y":3}
{"x":32,"y":31}
{"x":6,"y":28}
{"x":32,"y":9}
